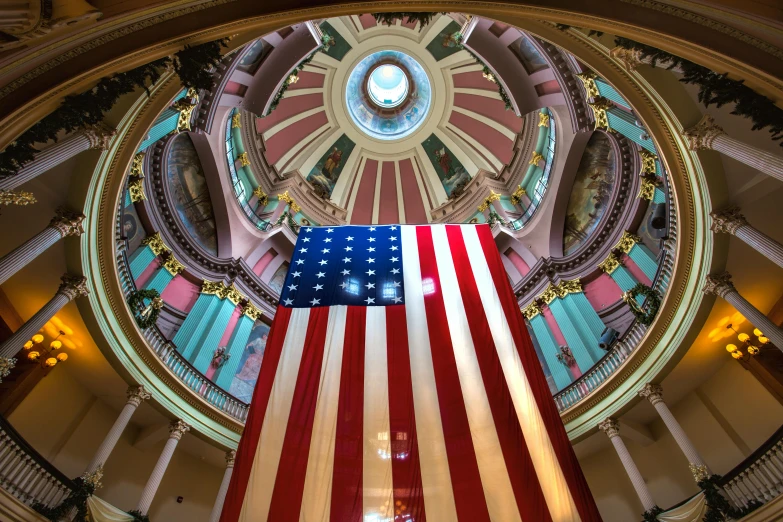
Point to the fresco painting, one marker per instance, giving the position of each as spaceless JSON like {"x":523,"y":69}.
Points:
{"x":247,"y":372}
{"x":252,"y":59}
{"x":131,"y":227}
{"x":188,"y":188}
{"x":529,"y":56}
{"x":445,"y":43}
{"x":325,"y":173}
{"x":450,"y":171}
{"x":278,"y":278}
{"x":648,"y":239}
{"x":592,"y":192}
{"x":337,"y":47}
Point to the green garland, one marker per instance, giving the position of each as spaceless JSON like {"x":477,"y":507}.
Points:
{"x":284,"y":87}
{"x":286,"y":218}
{"x":388,"y":18}
{"x":651,"y":515}
{"x":717,"y":89}
{"x":194,"y":64}
{"x":145,"y":306}
{"x":653,"y":303}
{"x":77,"y":499}
{"x":718,"y":507}
{"x":486,"y":70}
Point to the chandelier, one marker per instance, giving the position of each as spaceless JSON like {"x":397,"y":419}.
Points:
{"x":46,"y":357}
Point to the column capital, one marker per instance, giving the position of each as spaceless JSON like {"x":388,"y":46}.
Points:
{"x":630,"y":58}
{"x":136,"y":394}
{"x":652,"y":392}
{"x":610,"y":426}
{"x":719,"y":284}
{"x":73,"y":286}
{"x":67,"y":222}
{"x":100,"y":135}
{"x":177,"y":429}
{"x":727,"y":221}
{"x":231,"y":456}
{"x":701,"y":135}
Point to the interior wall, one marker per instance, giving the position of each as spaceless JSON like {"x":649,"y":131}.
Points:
{"x":719,"y":423}
{"x":75,"y":424}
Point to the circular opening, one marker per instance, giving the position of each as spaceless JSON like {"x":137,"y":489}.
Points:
{"x":388,"y":86}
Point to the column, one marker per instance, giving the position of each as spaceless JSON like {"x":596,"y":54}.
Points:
{"x":731,"y":221}
{"x":707,"y":135}
{"x":97,"y":137}
{"x":549,"y":348}
{"x":236,"y":346}
{"x":189,"y":335}
{"x":136,"y":394}
{"x":583,"y":316}
{"x":613,"y":266}
{"x":177,"y":428}
{"x":216,"y":327}
{"x":142,"y":257}
{"x":721,"y":285}
{"x":217,"y":509}
{"x":654,"y":393}
{"x":164,"y":274}
{"x":70,"y":288}
{"x":65,"y":223}
{"x":612,"y":430}
{"x":584,"y":359}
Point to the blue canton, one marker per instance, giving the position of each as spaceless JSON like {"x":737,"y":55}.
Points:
{"x":345,"y":265}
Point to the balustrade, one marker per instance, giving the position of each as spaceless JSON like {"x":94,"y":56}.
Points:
{"x":759,"y":477}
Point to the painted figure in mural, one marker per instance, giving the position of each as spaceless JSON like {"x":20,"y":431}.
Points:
{"x":252,"y":366}
{"x":449,"y":40}
{"x":444,"y":160}
{"x":332,"y":162}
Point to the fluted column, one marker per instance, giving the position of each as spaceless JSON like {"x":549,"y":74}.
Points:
{"x":136,"y":394}
{"x":97,"y":137}
{"x":731,"y":221}
{"x":70,"y":288}
{"x":221,"y":496}
{"x":177,"y":428}
{"x":721,"y":285}
{"x":65,"y":223}
{"x":707,"y":135}
{"x":654,"y":393}
{"x":612,"y":430}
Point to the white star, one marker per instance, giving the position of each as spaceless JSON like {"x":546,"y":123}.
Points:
{"x":299,"y":261}
{"x":320,"y":275}
{"x":305,"y":239}
{"x":392,"y":228}
{"x":303,"y":250}
{"x":288,"y":302}
{"x":325,"y":251}
{"x":395,"y":271}
{"x":292,"y":287}
{"x":396,"y":284}
{"x":394,"y":247}
{"x":397,"y":299}
{"x":322,"y":262}
{"x":349,"y":238}
{"x":371,"y":249}
{"x":372,"y":229}
{"x":370,"y":272}
{"x":296,"y":274}
{"x":315,"y":301}
{"x":371,"y":240}
{"x":370,"y":300}
{"x":348,"y":249}
{"x":394,"y":259}
{"x":308,"y":229}
{"x":371,"y":260}
{"x":345,"y":272}
{"x":346,"y":260}
{"x":329,"y":230}
{"x":370,"y":285}
{"x":393,"y":238}
{"x":328,"y":240}
{"x":318,"y":287}
{"x":344,"y":285}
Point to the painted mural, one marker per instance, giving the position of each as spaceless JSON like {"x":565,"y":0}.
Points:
{"x":324,"y":174}
{"x":278,"y":278}
{"x":591,"y":193}
{"x":131,"y":225}
{"x":529,"y":56}
{"x":252,"y":59}
{"x":450,"y":171}
{"x":188,"y":188}
{"x":247,"y":372}
{"x":445,"y":44}
{"x":336,"y":47}
{"x":644,"y":231}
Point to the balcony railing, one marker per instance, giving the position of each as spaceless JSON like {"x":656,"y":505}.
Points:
{"x":26,"y":475}
{"x":759,"y":477}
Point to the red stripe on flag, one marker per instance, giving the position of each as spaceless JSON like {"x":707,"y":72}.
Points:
{"x":577,"y":484}
{"x":406,"y":470}
{"x":347,"y":489}
{"x":522,"y":474}
{"x":248,"y":444}
{"x":463,"y":467}
{"x":289,"y":482}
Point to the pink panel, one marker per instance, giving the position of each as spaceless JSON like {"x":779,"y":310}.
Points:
{"x":283,"y":141}
{"x":387,"y":213}
{"x":226,"y":337}
{"x":181,"y":293}
{"x":235,"y":88}
{"x":550,"y":87}
{"x":307,"y":80}
{"x":362,"y":210}
{"x":635,"y":271}
{"x":473,"y":80}
{"x":408,"y":24}
{"x":550,"y":320}
{"x":289,"y":107}
{"x":602,"y":291}
{"x":147,"y":273}
{"x":517,"y":261}
{"x":367,"y":21}
{"x":264,"y":261}
{"x":412,"y":203}
{"x":491,"y":138}
{"x":493,"y":109}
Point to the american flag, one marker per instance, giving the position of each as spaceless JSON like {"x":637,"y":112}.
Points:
{"x":399,"y":383}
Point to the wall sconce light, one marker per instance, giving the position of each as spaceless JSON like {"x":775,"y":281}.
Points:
{"x":46,"y":357}
{"x":747,"y":342}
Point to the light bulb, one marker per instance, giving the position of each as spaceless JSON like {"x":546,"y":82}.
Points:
{"x":731,"y":348}
{"x":743,"y":337}
{"x":28,"y":345}
{"x":33,"y":356}
{"x":51,"y":362}
{"x":62,"y":356}
{"x":757,"y":332}
{"x":753,"y":350}
{"x":37,"y":338}
{"x":737,"y":355}
{"x":56,"y":345}
{"x":763,"y":340}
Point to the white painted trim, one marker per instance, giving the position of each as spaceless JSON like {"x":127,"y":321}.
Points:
{"x":308,"y":153}
{"x":477,"y":92}
{"x":344,"y":31}
{"x":417,"y":175}
{"x":319,"y":151}
{"x":435,"y":27}
{"x":358,"y":178}
{"x":325,"y":59}
{"x":343,"y":182}
{"x":475,"y":67}
{"x":376,"y":200}
{"x":508,"y":133}
{"x":435,"y":185}
{"x":482,"y":156}
{"x":290,"y":121}
{"x":459,"y":152}
{"x":400,"y":201}
{"x":290,"y":93}
{"x":300,"y":145}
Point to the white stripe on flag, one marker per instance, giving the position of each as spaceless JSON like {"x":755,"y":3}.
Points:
{"x":317,"y":494}
{"x":260,"y":486}
{"x":435,"y":476}
{"x":558,"y":497}
{"x":499,"y":495}
{"x":378,"y":502}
